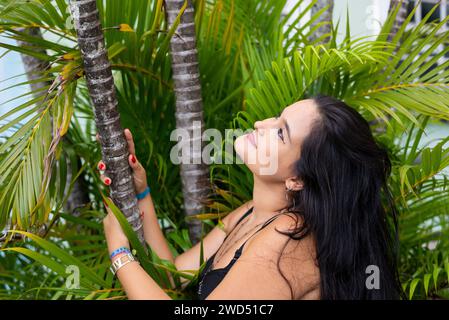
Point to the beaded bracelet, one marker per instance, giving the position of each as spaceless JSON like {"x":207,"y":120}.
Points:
{"x":119,"y":250}
{"x":143,"y":194}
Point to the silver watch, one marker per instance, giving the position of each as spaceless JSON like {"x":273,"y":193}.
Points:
{"x":121,"y":261}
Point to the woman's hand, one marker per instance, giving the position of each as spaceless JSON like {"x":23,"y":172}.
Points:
{"x":115,"y":237}
{"x":139,"y":174}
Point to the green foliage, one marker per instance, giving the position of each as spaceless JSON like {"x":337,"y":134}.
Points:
{"x":253,"y":62}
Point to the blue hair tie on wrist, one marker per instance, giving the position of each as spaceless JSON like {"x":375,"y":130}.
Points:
{"x":119,"y":250}
{"x":143,"y":194}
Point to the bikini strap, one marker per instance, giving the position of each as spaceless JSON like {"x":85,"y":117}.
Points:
{"x":238,"y":252}
{"x":241,"y":218}
{"x":244,"y":216}
{"x":266,"y":223}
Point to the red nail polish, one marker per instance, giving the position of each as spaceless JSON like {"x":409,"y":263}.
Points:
{"x":104,"y":202}
{"x":133,"y":159}
{"x":102,"y":166}
{"x":107,"y":181}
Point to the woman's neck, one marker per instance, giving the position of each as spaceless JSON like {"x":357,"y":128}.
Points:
{"x":268,"y":199}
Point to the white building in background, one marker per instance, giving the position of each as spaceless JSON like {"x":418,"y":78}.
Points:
{"x":367,"y":16}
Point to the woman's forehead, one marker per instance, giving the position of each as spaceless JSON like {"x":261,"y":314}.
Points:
{"x":300,"y":116}
{"x":304,"y":105}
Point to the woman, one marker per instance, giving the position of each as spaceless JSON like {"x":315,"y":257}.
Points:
{"x":315,"y":228}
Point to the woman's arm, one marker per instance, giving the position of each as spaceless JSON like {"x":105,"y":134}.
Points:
{"x":137,"y":284}
{"x":152,"y":231}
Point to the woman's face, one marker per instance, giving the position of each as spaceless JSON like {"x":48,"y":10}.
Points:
{"x":271,"y":150}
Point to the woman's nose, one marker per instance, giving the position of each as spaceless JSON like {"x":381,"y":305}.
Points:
{"x":262,"y":125}
{"x":258,"y":125}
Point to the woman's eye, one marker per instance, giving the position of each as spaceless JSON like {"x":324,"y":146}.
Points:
{"x":281,"y":134}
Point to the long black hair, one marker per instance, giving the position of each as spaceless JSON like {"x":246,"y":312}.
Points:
{"x":345,"y":173}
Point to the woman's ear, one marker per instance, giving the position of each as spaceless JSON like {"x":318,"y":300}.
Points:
{"x":294,"y":184}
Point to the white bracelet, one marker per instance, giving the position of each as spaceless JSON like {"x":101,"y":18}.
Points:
{"x":121,"y":261}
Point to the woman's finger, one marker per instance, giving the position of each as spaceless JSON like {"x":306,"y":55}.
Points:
{"x":136,"y":166}
{"x":107,"y":181}
{"x":130,"y":141}
{"x":97,"y":136}
{"x":101,"y":166}
{"x":133,"y":161}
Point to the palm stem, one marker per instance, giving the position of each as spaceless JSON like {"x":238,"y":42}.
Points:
{"x":189,"y":111}
{"x":100,"y":84}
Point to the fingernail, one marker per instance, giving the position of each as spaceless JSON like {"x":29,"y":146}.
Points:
{"x":104,"y":202}
{"x":101,"y":166}
{"x":133,"y":159}
{"x":107,"y":181}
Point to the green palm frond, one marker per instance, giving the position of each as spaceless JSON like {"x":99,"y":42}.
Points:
{"x":254,"y":61}
{"x":309,"y":72}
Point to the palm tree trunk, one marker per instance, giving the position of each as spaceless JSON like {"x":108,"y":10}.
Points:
{"x":35,"y":69}
{"x":189,"y":111}
{"x":78,"y":197}
{"x":325,"y":17}
{"x":100,"y":84}
{"x":400,"y":17}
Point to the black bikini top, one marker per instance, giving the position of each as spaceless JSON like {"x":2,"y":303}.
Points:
{"x":210,"y":279}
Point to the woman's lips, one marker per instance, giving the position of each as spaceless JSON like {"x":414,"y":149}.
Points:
{"x":251,"y":139}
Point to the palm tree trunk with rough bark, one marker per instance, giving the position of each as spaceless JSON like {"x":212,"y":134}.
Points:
{"x":189,"y":111}
{"x":325,"y":17}
{"x":34,"y":69}
{"x":100,"y":84}
{"x":78,"y":197}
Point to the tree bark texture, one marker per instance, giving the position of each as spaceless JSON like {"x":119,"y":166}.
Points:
{"x":100,"y":84}
{"x":189,"y":111}
{"x":326,"y":16}
{"x":34,"y":67}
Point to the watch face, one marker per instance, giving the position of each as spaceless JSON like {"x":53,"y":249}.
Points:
{"x":119,"y":262}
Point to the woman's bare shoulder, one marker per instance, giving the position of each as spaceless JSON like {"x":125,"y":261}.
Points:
{"x":296,"y":258}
